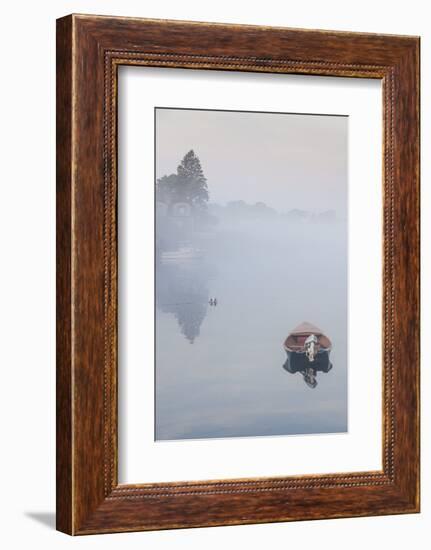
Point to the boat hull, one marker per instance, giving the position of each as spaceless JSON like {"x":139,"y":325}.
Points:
{"x":298,"y":362}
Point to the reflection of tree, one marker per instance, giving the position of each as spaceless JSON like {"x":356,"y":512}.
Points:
{"x":182,"y":290}
{"x":190,"y":319}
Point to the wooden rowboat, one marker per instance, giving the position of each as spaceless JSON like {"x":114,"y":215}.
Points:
{"x":307,"y":349}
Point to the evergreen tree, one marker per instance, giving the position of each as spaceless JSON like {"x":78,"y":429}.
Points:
{"x":192,"y":184}
{"x":188,"y":185}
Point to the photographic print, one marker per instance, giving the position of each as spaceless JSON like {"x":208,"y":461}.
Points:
{"x":251,"y":251}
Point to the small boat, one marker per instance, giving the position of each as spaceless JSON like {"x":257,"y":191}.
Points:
{"x":307,"y":347}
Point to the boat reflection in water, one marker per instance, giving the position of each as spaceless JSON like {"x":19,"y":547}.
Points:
{"x":307,"y":350}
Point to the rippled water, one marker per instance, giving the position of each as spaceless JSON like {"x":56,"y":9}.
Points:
{"x":219,"y":368}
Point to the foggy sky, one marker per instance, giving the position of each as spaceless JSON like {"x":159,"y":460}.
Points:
{"x":284,"y":160}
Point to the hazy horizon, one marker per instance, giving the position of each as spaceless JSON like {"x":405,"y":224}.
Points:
{"x":255,"y":156}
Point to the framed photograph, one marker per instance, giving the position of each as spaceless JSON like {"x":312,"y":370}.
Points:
{"x":237,"y":274}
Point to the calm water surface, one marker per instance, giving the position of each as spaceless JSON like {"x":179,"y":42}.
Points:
{"x":219,"y":369}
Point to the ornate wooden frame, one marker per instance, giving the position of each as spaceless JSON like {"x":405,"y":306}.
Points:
{"x":89,"y":51}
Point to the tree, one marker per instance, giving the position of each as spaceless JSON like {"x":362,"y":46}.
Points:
{"x":166,"y":189}
{"x":188,"y":185}
{"x":192,"y":184}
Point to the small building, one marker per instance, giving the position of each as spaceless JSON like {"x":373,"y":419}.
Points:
{"x":181,"y":210}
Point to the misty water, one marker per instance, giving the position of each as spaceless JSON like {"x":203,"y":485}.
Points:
{"x":219,"y":369}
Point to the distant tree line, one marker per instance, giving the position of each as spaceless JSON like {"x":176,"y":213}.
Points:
{"x":240,"y":210}
{"x":189,"y":185}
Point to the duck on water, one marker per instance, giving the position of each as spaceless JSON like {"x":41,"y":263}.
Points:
{"x":307,"y":350}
